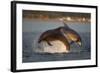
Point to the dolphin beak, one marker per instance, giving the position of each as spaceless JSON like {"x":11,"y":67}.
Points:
{"x":79,"y":43}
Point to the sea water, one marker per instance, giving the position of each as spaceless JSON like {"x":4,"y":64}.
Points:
{"x":34,"y":52}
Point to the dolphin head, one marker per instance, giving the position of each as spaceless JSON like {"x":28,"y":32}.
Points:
{"x":79,"y":41}
{"x":72,"y":36}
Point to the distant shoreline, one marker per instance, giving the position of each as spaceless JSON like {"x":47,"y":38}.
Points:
{"x":75,"y":21}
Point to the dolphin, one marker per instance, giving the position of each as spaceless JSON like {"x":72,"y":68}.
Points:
{"x":53,"y":35}
{"x":71,"y":35}
{"x":64,"y":33}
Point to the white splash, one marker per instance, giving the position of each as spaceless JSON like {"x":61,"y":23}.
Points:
{"x":43,"y":47}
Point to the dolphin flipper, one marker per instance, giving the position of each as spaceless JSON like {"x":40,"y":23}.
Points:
{"x":49,"y":43}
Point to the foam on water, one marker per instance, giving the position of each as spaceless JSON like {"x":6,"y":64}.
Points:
{"x":57,"y":46}
{"x":34,"y":52}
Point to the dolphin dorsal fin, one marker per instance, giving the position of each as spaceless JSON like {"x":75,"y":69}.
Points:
{"x":66,"y":25}
{"x":63,"y":20}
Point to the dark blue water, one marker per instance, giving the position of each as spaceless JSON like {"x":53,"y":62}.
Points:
{"x":33,"y":28}
{"x":76,"y":52}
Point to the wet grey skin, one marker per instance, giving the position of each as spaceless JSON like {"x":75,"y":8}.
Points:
{"x":71,"y":35}
{"x":53,"y":35}
{"x":65,"y":34}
